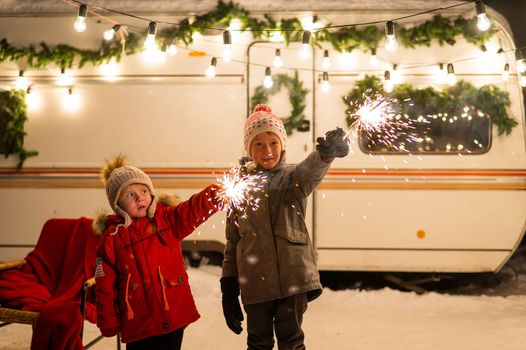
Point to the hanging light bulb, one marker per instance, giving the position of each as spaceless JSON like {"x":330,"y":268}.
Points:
{"x":483,"y":22}
{"x":451,"y":77}
{"x":522,"y":80}
{"x":483,"y":49}
{"x":267,"y":81}
{"x":110,"y":70}
{"x":108,"y":34}
{"x":326,"y":62}
{"x":374,"y":59}
{"x":211,"y":70}
{"x":325,"y":85}
{"x":33,"y":99}
{"x":64,"y":79}
{"x":520,"y":62}
{"x":71,"y":100}
{"x":305,"y":45}
{"x":391,"y":44}
{"x":227,"y":46}
{"x":395,"y":74}
{"x":278,"y":62}
{"x":171,"y":49}
{"x":388,"y":83}
{"x":276,"y":36}
{"x":22,"y":82}
{"x":150,"y":44}
{"x":441,"y":75}
{"x":506,"y":72}
{"x":80,"y":22}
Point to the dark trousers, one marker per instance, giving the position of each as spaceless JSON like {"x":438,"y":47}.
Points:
{"x":170,"y":341}
{"x":283,"y":316}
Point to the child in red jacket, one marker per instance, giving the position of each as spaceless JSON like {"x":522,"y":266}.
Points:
{"x":142,"y":287}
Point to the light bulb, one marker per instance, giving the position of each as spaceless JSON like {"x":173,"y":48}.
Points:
{"x":441,"y":75}
{"x":80,"y":22}
{"x":227,"y":46}
{"x":110,"y":70}
{"x":304,"y":52}
{"x":391,"y":44}
{"x":388,"y":83}
{"x":483,"y":22}
{"x":522,"y":80}
{"x":506,"y":72}
{"x":22,"y":82}
{"x":451,"y":77}
{"x":325,"y":85}
{"x":150,"y":44}
{"x":278,"y":62}
{"x":326,"y":62}
{"x":276,"y":37}
{"x":33,"y":99}
{"x":267,"y":81}
{"x":211,"y":70}
{"x":64,"y":79}
{"x":108,"y":34}
{"x":71,"y":101}
{"x":520,"y":62}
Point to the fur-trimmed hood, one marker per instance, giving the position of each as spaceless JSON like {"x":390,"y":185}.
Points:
{"x":105,"y":218}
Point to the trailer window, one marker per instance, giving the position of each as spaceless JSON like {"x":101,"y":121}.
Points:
{"x":469,"y":133}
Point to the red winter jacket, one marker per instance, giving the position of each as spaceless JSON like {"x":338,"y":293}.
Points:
{"x":142,"y":287}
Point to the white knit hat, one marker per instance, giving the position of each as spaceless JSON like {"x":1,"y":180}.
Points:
{"x":261,"y":120}
{"x":117,"y":175}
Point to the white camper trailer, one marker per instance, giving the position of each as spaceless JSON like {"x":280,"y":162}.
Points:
{"x":447,"y":208}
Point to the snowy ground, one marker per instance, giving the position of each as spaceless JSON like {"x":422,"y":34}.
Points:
{"x":489,"y":318}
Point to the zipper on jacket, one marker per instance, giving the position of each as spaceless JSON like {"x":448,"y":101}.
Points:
{"x":128,"y":306}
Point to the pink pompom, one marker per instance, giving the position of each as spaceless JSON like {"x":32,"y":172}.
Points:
{"x":262,"y":108}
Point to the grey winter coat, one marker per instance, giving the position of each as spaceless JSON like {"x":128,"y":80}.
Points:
{"x":269,"y":249}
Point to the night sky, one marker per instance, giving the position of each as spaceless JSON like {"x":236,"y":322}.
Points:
{"x":515,"y":13}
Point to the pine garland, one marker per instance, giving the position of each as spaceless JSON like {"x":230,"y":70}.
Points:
{"x":297,"y":94}
{"x":487,"y":99}
{"x":12,"y":120}
{"x":365,"y":38}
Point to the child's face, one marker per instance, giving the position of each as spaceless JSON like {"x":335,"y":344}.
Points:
{"x":135,"y":199}
{"x":265,"y":149}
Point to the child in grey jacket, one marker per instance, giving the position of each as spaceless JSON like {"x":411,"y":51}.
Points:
{"x":269,"y":256}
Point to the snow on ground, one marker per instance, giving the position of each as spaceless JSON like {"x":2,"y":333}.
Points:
{"x":361,"y":320}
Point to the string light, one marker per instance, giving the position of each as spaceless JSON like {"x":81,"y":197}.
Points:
{"x":22,"y":82}
{"x":451,"y":77}
{"x":110,"y":33}
{"x":150,"y":44}
{"x":441,"y":75}
{"x":388,"y":83}
{"x":483,"y":22}
{"x":227,"y":46}
{"x":71,"y":100}
{"x":278,"y":62}
{"x":506,"y":72}
{"x":267,"y":81}
{"x":374,"y":59}
{"x":64,"y":79}
{"x":522,"y":80}
{"x":520,"y":62}
{"x":305,"y":45}
{"x":80,"y":22}
{"x":326,"y":62}
{"x":110,"y":70}
{"x":325,"y":85}
{"x":211,"y":70}
{"x":391,"y":44}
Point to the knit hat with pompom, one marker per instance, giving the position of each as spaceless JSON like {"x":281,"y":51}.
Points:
{"x":116,"y":175}
{"x":262,"y":119}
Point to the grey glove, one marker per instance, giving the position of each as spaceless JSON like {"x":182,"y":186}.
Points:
{"x":334,"y":144}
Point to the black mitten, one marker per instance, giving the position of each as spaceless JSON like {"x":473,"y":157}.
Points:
{"x":230,"y":302}
{"x":334,"y":144}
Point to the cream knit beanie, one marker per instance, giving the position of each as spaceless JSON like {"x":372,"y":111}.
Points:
{"x":117,"y":175}
{"x":262,"y":120}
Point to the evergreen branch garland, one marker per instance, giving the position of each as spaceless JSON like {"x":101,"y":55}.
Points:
{"x":487,"y":99}
{"x":297,"y":94}
{"x":439,"y":28}
{"x":12,"y":118}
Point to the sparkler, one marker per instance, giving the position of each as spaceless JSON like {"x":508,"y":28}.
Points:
{"x":378,"y":120}
{"x":239,"y":189}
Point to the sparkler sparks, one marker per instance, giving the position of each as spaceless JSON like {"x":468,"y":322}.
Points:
{"x":239,"y":189}
{"x":378,"y":120}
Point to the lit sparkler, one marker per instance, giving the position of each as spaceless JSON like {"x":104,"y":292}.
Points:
{"x":239,"y":188}
{"x":377,"y":119}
